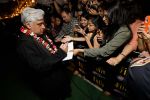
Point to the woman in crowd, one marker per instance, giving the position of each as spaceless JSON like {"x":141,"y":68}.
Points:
{"x":83,"y":21}
{"x":136,"y":21}
{"x":92,"y":38}
{"x":55,"y":26}
{"x":138,"y":80}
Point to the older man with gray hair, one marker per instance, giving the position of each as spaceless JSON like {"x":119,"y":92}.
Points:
{"x":41,"y":59}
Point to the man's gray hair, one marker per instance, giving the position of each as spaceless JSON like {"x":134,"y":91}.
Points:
{"x":31,"y":14}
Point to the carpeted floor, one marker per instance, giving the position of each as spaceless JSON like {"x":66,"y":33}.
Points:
{"x":82,"y":90}
{"x":12,"y":89}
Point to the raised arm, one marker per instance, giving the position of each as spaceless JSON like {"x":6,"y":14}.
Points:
{"x":120,"y":37}
{"x":116,"y":60}
{"x":131,"y":46}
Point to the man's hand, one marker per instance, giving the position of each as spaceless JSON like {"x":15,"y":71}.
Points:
{"x":66,"y":39}
{"x":64,"y":47}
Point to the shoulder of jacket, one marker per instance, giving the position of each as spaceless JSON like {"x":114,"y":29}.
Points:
{"x":25,"y":38}
{"x":124,"y":28}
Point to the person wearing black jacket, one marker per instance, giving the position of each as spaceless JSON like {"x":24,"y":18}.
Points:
{"x":41,"y":59}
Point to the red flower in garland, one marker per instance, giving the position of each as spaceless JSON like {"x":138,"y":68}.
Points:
{"x":51,"y":47}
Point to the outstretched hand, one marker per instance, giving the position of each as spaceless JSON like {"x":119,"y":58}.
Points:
{"x":77,"y":51}
{"x":64,"y":47}
{"x":66,"y":39}
{"x":114,"y":61}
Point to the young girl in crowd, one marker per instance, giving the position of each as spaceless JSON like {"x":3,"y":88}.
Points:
{"x":136,"y":21}
{"x":92,"y":37}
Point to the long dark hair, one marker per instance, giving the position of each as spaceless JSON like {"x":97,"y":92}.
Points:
{"x":117,"y":15}
{"x":123,"y":12}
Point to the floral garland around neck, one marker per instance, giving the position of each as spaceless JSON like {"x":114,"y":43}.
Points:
{"x":52,"y":48}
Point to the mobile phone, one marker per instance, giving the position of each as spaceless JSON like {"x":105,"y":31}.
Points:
{"x":77,"y":26}
{"x":135,"y":54}
{"x":147,"y":23}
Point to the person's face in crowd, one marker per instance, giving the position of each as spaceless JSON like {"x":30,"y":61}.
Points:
{"x":83,"y":22}
{"x":106,"y":20}
{"x":37,"y":27}
{"x":101,"y":11}
{"x":105,"y":17}
{"x":91,"y":26}
{"x":58,"y":21}
{"x":66,"y":1}
{"x":100,"y":33}
{"x":52,"y":21}
{"x":66,"y":17}
{"x":84,"y":1}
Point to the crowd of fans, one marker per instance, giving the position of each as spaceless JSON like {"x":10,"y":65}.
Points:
{"x":109,"y":32}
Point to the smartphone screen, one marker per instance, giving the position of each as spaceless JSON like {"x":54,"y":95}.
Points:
{"x":77,"y":26}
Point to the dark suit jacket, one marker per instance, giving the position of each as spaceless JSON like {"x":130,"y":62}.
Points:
{"x":44,"y":71}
